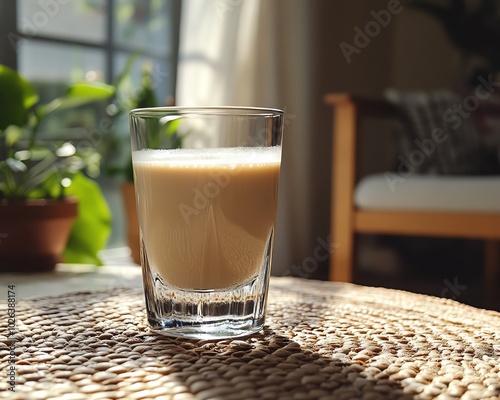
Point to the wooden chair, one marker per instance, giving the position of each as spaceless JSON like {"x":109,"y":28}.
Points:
{"x":347,"y":220}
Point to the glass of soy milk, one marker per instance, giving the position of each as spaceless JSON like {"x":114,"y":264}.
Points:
{"x":206,"y":183}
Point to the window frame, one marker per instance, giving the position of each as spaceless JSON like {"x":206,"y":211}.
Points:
{"x":9,"y":35}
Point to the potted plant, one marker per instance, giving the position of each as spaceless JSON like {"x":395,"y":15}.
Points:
{"x":49,"y":209}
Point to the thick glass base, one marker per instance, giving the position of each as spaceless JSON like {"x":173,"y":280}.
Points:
{"x":208,"y":331}
{"x":206,"y":314}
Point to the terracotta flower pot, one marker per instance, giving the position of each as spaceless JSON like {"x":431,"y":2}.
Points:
{"x":33,"y":233}
{"x":133,"y":238}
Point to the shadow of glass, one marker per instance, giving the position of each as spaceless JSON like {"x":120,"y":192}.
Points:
{"x":264,"y":366}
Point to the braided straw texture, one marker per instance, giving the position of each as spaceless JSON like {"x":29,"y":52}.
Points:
{"x":322,"y":340}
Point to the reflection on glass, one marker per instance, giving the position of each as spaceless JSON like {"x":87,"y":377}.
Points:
{"x":80,"y":20}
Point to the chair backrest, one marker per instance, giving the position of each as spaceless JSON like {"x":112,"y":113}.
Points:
{"x":438,"y":125}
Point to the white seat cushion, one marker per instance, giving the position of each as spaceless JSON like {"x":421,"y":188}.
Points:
{"x":429,"y":193}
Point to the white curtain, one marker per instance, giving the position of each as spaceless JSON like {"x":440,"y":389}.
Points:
{"x":258,"y":53}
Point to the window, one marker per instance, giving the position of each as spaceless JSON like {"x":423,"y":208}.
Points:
{"x":55,"y":43}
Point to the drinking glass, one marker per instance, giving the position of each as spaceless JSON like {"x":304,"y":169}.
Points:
{"x":206,"y":183}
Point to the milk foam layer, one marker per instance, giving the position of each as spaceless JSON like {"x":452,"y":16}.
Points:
{"x":207,"y":215}
{"x":201,"y":157}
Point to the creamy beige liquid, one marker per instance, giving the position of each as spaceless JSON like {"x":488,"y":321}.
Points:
{"x":206,"y":215}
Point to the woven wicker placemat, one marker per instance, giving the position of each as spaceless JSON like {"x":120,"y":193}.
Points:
{"x":322,"y":340}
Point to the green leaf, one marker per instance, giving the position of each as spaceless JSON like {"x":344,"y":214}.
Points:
{"x":125,"y":73}
{"x":146,"y":97}
{"x":91,"y":230}
{"x":90,"y":91}
{"x":50,"y":187}
{"x":12,"y":135}
{"x":79,"y":95}
{"x":16,"y":165}
{"x":40,"y":153}
{"x":17,"y":97}
{"x":173,"y":126}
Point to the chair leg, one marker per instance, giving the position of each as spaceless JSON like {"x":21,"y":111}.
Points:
{"x":341,"y":268}
{"x":491,"y":271}
{"x":343,"y":179}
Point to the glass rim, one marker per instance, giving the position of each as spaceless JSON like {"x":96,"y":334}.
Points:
{"x":208,"y":110}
